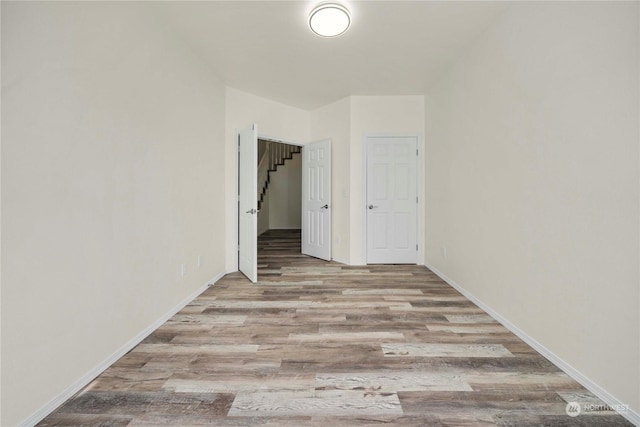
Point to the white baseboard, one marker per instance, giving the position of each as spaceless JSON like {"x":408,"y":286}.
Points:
{"x":54,"y":403}
{"x":283,"y":228}
{"x":340,"y":260}
{"x":594,"y":388}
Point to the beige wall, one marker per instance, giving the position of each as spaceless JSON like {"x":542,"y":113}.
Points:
{"x":333,"y":122}
{"x":274,"y":120}
{"x":285,"y":195}
{"x":374,"y":115}
{"x":112,"y":176}
{"x":532,"y":182}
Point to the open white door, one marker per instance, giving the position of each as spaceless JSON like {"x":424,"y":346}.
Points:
{"x":248,"y":202}
{"x":316,"y":200}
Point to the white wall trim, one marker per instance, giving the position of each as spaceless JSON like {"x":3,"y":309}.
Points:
{"x":285,"y":228}
{"x":340,"y":260}
{"x":83,"y":381}
{"x":603,"y":394}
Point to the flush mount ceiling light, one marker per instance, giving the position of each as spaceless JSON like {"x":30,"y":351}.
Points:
{"x":329,"y":20}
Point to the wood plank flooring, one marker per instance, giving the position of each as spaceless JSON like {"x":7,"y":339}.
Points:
{"x":324,"y":344}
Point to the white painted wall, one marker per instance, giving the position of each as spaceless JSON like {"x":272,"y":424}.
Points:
{"x":274,"y":120}
{"x":112,"y":176}
{"x":333,"y":122}
{"x":285,"y":195}
{"x":533,"y":182}
{"x":372,"y":115}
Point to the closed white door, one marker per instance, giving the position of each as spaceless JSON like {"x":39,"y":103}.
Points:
{"x":391,"y":200}
{"x":248,"y":202}
{"x":316,"y":199}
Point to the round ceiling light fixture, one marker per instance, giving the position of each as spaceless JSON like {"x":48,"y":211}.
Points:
{"x":329,"y":20}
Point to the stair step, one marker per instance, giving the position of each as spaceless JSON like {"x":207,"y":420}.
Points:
{"x":278,"y":155}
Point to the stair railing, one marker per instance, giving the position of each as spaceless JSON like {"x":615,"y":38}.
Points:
{"x":263,"y":171}
{"x":275,"y":155}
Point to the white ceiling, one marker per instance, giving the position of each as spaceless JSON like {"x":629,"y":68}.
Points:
{"x":266,"y":48}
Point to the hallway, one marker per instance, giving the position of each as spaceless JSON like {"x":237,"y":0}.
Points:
{"x":322,"y":343}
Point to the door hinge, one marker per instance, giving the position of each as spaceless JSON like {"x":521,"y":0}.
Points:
{"x":416,"y":247}
{"x":416,"y":200}
{"x":416,"y":151}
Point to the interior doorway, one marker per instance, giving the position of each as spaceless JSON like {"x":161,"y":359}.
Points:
{"x":298,"y":199}
{"x":279,"y":186}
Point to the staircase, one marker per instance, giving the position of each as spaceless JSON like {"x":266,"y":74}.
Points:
{"x":276,"y":154}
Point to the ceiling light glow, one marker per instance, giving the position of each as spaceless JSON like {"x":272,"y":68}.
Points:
{"x":329,"y":20}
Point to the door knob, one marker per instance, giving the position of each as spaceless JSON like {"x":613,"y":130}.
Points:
{"x":324,"y":207}
{"x":372,"y":206}
{"x":252,"y":211}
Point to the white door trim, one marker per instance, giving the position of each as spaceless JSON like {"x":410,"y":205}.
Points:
{"x":419,"y":190}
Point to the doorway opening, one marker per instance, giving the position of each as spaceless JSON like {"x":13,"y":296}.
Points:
{"x":298,"y":199}
{"x":279,"y":186}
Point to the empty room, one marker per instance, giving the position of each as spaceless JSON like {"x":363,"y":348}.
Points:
{"x":344,"y":213}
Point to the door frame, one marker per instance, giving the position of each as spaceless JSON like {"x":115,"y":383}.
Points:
{"x":419,"y":189}
{"x":236,"y":184}
{"x":279,"y":140}
{"x":262,"y":137}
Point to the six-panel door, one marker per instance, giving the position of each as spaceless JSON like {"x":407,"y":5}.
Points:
{"x":391,"y":200}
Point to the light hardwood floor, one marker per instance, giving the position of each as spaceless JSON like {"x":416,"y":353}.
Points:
{"x":324,"y":344}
